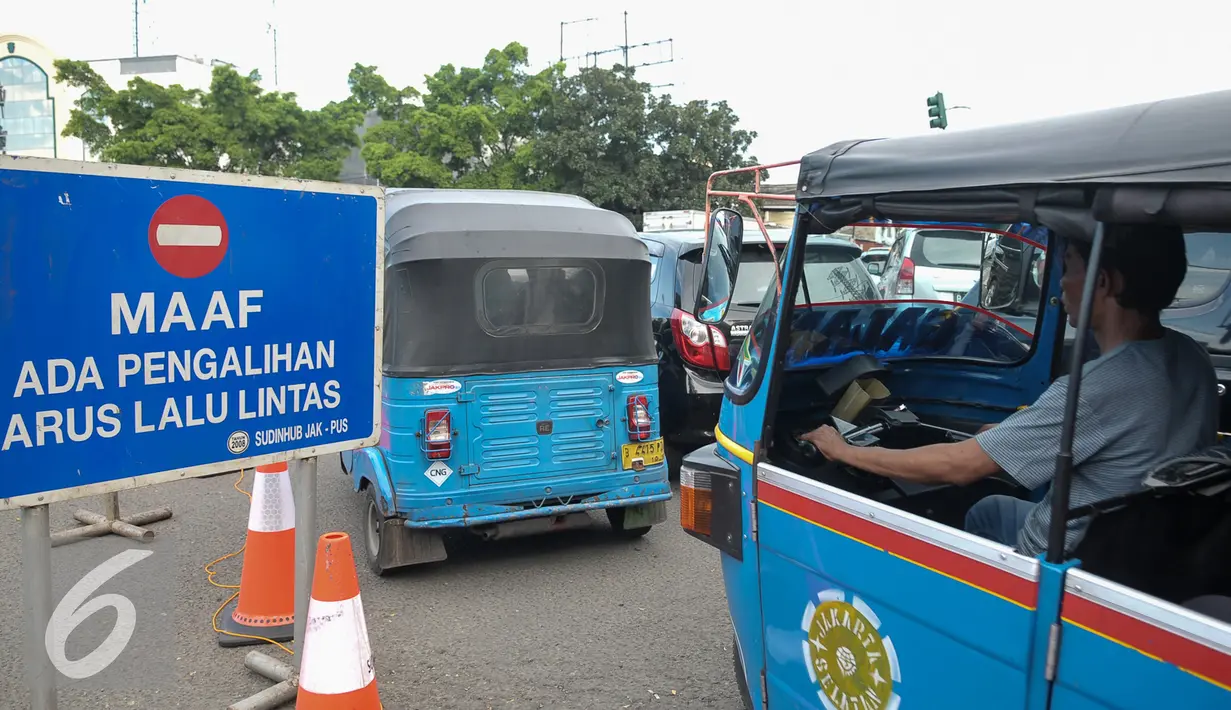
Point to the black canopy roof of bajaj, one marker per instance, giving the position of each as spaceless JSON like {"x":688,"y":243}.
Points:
{"x":454,"y":258}
{"x":1165,"y":161}
{"x":492,"y":224}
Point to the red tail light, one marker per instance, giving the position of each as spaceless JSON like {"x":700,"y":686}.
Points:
{"x":699,"y":344}
{"x":639,"y":423}
{"x":906,"y":278}
{"x":438,"y":434}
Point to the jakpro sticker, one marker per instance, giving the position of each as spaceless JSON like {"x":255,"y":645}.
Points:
{"x":432,"y":387}
{"x":629,"y":377}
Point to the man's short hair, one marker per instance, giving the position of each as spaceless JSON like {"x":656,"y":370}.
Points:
{"x":1152,"y":260}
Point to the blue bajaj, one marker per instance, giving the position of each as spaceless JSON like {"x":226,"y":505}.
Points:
{"x":852,"y":590}
{"x":520,"y":374}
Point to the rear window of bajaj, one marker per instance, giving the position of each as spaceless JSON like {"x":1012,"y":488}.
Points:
{"x":947,"y":249}
{"x":831,"y":274}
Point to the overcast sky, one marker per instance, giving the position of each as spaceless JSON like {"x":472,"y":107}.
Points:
{"x":802,"y":76}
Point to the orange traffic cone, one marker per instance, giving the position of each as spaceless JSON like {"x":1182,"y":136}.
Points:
{"x":266,"y":601}
{"x":336,"y":669}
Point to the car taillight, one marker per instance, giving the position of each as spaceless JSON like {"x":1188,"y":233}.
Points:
{"x":639,"y":423}
{"x":696,"y":500}
{"x":438,"y":434}
{"x":699,"y":344}
{"x":722,"y":352}
{"x":906,"y":278}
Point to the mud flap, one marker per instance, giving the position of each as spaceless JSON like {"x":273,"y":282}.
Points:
{"x":645,"y":515}
{"x":401,"y":546}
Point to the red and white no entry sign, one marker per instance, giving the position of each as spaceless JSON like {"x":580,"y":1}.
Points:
{"x":188,"y":236}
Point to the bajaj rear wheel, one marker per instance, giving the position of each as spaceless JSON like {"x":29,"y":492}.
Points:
{"x":374,"y":523}
{"x":615,"y":516}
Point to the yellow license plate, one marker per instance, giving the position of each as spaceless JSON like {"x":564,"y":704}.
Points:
{"x":651,"y":453}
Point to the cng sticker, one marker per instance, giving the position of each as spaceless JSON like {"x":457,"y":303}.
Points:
{"x":438,"y":473}
{"x":629,"y":377}
{"x":846,"y":655}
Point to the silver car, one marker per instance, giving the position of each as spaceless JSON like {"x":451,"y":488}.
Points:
{"x":933,"y":264}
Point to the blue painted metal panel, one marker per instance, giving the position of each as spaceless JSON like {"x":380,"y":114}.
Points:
{"x":502,"y":419}
{"x":1097,"y":672}
{"x":163,"y":324}
{"x":1051,"y":589}
{"x":452,"y":516}
{"x":568,"y":471}
{"x":955,"y":645}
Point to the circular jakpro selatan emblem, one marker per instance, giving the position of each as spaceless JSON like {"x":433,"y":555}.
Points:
{"x":237,"y":442}
{"x":846,"y":655}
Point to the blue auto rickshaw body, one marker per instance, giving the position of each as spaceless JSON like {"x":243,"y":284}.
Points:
{"x":520,"y":376}
{"x":849,"y":590}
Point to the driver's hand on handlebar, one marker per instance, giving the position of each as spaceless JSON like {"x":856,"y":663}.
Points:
{"x":828,"y":441}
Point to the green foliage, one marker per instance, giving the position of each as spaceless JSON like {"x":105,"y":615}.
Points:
{"x":599,"y":133}
{"x":473,"y":127}
{"x":234,"y":127}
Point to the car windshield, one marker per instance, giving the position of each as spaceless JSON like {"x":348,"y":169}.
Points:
{"x":948,"y":249}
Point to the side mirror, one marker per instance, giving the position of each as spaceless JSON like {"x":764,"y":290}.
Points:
{"x":875,"y":268}
{"x":1003,"y":275}
{"x":724,"y":236}
{"x":1038,"y":268}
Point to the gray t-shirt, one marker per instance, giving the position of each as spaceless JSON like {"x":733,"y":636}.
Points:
{"x":1140,"y":404}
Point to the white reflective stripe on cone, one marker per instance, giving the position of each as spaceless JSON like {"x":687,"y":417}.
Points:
{"x":337,"y":657}
{"x":273,"y":506}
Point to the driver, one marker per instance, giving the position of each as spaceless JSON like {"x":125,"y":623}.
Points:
{"x":1150,"y":396}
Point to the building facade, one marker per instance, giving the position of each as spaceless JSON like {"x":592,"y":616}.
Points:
{"x":36,"y":108}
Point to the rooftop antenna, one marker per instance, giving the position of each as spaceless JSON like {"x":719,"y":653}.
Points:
{"x":626,"y":47}
{"x":571,"y":22}
{"x":136,"y":28}
{"x":272,"y":28}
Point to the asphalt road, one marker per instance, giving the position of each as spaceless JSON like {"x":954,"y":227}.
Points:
{"x":578,"y":620}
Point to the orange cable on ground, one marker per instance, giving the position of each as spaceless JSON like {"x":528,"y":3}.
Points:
{"x":211,"y":573}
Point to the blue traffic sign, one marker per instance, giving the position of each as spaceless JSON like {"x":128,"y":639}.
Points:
{"x":159,"y":324}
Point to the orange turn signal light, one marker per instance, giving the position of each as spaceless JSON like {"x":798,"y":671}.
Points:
{"x":696,"y":500}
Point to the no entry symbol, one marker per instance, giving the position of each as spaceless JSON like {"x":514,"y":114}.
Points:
{"x":188,"y":236}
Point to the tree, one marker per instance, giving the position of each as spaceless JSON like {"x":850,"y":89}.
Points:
{"x":234,"y":127}
{"x":472,"y":127}
{"x":600,"y":134}
{"x":609,"y":139}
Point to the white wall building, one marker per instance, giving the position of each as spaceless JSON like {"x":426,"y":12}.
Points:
{"x":166,"y":69}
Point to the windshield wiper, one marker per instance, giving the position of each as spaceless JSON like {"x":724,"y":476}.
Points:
{"x":746,"y":303}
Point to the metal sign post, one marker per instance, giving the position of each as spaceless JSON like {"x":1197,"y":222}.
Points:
{"x":303,"y":485}
{"x":164,"y":324}
{"x":37,"y":604}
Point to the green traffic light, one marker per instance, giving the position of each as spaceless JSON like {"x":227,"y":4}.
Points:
{"x":936,"y":111}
